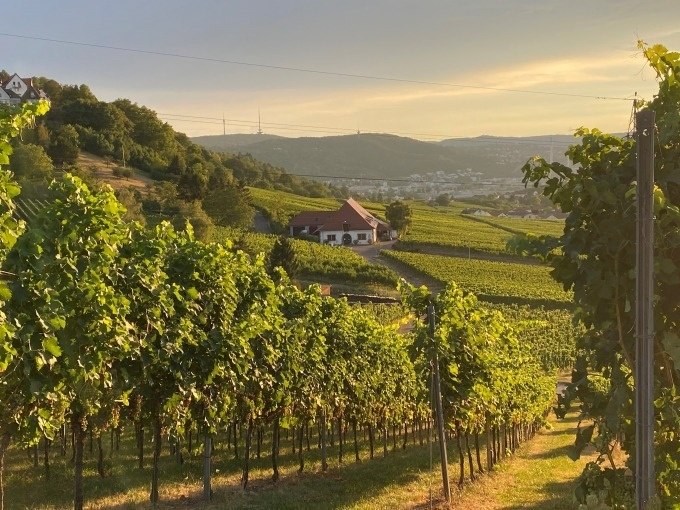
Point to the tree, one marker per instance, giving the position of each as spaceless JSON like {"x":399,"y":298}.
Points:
{"x":229,"y":206}
{"x":131,"y":200}
{"x":51,"y":87}
{"x":193,"y":183}
{"x":75,"y":93}
{"x":283,"y":255}
{"x":596,"y":260}
{"x":42,"y":136}
{"x":191,"y":212}
{"x":443,"y":199}
{"x":31,"y":162}
{"x":64,"y":148}
{"x":398,"y":215}
{"x":146,"y":128}
{"x":177,"y":166}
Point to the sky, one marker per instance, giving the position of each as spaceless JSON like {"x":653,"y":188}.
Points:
{"x":573,"y":47}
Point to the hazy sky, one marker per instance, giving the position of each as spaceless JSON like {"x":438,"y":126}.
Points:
{"x":577,"y":46}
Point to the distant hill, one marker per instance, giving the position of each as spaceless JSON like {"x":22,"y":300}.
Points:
{"x":233,"y":141}
{"x":512,"y":151}
{"x":382,"y":155}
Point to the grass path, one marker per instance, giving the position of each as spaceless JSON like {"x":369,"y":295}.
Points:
{"x":540,"y":476}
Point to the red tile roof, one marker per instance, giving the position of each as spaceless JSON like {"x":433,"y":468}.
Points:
{"x":351,"y":213}
{"x":311,"y":218}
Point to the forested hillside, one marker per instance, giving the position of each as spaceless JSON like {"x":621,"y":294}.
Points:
{"x":384,"y":155}
{"x":369,"y":154}
{"x":133,"y":134}
{"x":181,"y":180}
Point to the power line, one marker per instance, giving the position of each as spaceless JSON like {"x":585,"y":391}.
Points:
{"x":254,"y":122}
{"x":253,"y":126}
{"x":341,"y":130}
{"x":312,"y":71}
{"x":389,"y":179}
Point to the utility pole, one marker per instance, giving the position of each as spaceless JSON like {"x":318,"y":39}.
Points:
{"x":259,"y":123}
{"x":438,"y":410}
{"x":122,"y":146}
{"x":224,"y":125}
{"x":644,"y":312}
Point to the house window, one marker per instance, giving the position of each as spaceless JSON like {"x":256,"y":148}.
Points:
{"x":361,"y":237}
{"x":345,"y":227}
{"x":330,"y":237}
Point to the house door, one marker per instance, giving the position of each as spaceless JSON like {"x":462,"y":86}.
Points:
{"x":346,"y":239}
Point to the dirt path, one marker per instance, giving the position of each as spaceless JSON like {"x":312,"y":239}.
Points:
{"x":261,"y":223}
{"x":371,"y":253}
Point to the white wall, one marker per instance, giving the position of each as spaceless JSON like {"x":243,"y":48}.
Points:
{"x":21,"y":85}
{"x":370,"y":236}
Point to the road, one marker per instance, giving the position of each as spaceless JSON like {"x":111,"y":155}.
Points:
{"x":371,"y":252}
{"x":261,"y":223}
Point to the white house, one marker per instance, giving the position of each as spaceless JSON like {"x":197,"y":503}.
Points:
{"x":16,"y":90}
{"x":5,"y":98}
{"x":351,"y":224}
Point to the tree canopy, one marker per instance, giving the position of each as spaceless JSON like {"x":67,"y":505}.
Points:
{"x":31,"y":162}
{"x":398,"y":215}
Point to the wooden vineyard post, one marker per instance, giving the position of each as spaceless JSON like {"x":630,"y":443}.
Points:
{"x":644,"y":312}
{"x":207,"y":451}
{"x":489,"y":444}
{"x":438,"y":410}
{"x":324,"y":463}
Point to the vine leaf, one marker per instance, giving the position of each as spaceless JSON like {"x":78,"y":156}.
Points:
{"x":583,"y":437}
{"x":671,"y":342}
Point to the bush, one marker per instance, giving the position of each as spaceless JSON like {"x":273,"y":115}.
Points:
{"x":121,"y":171}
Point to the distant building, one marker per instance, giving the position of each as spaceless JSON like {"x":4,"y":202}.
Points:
{"x":532,"y":214}
{"x":17,"y":90}
{"x":351,"y":224}
{"x":473,"y":211}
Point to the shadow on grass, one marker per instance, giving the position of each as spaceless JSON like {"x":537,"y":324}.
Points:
{"x":562,"y":451}
{"x":562,"y":499}
{"x":340,"y":487}
{"x":127,"y":487}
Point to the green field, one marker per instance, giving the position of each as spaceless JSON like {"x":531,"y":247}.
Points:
{"x":525,"y":226}
{"x":550,"y":332}
{"x":279,"y":207}
{"x":491,"y":280}
{"x":446,"y":227}
{"x":443,"y":227}
{"x":289,"y":202}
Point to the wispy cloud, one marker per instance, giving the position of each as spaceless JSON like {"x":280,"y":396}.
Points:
{"x":591,"y":75}
{"x":456,"y":111}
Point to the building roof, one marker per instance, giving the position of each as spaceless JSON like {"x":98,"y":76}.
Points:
{"x":351,"y":213}
{"x":31,"y":92}
{"x":311,"y":218}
